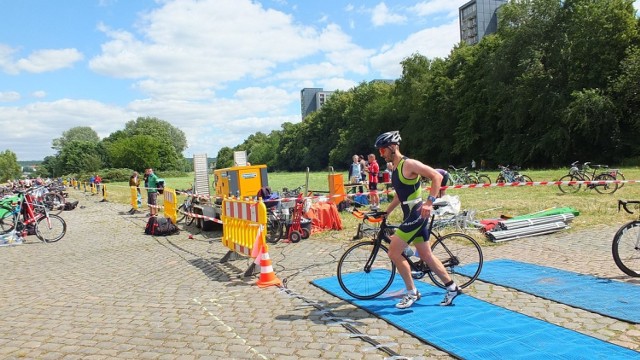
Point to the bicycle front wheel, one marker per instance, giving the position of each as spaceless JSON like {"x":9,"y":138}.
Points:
{"x":569,"y":188}
{"x":51,"y":228}
{"x":626,"y":248}
{"x":181,"y":213}
{"x":459,"y":253}
{"x":363,"y":283}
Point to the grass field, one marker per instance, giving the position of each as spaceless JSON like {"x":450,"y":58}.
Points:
{"x":595,"y":209}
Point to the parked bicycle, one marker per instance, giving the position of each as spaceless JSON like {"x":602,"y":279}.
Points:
{"x":626,"y":242}
{"x":20,"y":211}
{"x":186,"y":209}
{"x":460,"y":176}
{"x":365,"y":270}
{"x":572,"y":182}
{"x":511,"y":174}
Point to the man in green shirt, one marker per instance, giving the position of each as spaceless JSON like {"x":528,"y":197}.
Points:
{"x":152,"y":191}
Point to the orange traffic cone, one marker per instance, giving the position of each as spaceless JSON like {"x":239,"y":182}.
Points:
{"x":267,"y":276}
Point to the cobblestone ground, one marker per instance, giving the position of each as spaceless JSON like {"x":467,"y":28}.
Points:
{"x":107,"y":291}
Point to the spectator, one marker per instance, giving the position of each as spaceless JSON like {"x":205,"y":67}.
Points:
{"x":373,"y":169}
{"x":134,"y":180}
{"x":152,"y":191}
{"x":354,"y":171}
{"x":98,"y":181}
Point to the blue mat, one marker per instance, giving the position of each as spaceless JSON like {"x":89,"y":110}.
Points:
{"x":475,"y":329}
{"x":603,"y":296}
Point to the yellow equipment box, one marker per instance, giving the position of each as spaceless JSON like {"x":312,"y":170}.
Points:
{"x":240,"y":181}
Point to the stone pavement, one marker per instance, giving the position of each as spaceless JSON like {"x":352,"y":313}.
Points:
{"x":107,"y":291}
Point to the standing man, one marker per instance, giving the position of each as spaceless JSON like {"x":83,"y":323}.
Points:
{"x":373,"y":169}
{"x":416,"y":212}
{"x":152,"y":191}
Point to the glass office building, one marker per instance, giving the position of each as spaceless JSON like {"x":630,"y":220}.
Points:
{"x":478,"y":18}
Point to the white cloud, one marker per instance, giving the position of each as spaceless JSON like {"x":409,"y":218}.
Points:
{"x":427,"y":8}
{"x":39,"y":61}
{"x":381,"y":15}
{"x":41,"y":122}
{"x":204,"y":45}
{"x":431,"y":42}
{"x":39,"y":94}
{"x":9,"y":96}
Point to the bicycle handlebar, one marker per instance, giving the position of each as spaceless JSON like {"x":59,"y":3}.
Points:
{"x":624,"y":203}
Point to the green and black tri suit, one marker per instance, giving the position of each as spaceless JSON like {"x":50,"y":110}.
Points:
{"x":414,"y":227}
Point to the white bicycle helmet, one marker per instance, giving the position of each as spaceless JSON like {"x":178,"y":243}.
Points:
{"x":388,"y":138}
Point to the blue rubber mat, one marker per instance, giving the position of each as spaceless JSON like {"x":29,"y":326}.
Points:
{"x":603,"y":296}
{"x":475,"y":329}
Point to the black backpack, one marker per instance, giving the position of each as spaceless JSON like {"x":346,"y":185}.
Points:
{"x":160,"y":186}
{"x":160,"y":226}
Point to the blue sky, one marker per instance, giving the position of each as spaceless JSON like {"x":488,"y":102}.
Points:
{"x":219,"y":70}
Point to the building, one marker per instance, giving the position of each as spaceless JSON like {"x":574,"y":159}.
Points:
{"x":478,"y":18}
{"x":312,"y":99}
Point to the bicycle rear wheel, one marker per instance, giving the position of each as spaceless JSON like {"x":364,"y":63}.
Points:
{"x":626,"y":248}
{"x":365,"y":284}
{"x":484,"y":179}
{"x":458,"y":250}
{"x":607,"y":188}
{"x":274,"y":230}
{"x":51,"y":230}
{"x":7,"y":222}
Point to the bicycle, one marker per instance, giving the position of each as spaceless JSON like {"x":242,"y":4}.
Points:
{"x":48,"y":227}
{"x":571,"y":182}
{"x":626,"y":243}
{"x":363,"y":274}
{"x":510,"y":175}
{"x":186,"y":208}
{"x":460,"y":176}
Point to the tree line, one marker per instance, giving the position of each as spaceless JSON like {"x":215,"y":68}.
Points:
{"x":558,"y":82}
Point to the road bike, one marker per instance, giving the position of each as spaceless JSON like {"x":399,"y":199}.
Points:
{"x":365,"y":270}
{"x":626,"y":242}
{"x":22,"y":210}
{"x":572,"y":182}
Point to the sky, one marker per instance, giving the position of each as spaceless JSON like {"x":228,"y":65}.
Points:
{"x":219,"y":70}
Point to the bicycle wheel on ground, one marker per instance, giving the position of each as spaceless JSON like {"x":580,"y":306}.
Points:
{"x":626,"y":248}
{"x":7,"y":222}
{"x":484,"y":179}
{"x":620,"y":176}
{"x":181,"y":213}
{"x":363,"y":283}
{"x":569,"y":188}
{"x":606,"y":188}
{"x":51,"y":229}
{"x":53,"y":200}
{"x":500,"y":179}
{"x":458,"y":250}
{"x":524,"y":178}
{"x":274,"y":230}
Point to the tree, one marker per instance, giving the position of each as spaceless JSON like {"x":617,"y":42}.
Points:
{"x":160,"y":129}
{"x":79,"y":156}
{"x":78,"y":133}
{"x":144,"y":151}
{"x":9,"y":167}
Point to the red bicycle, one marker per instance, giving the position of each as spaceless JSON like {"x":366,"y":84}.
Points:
{"x":20,"y":211}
